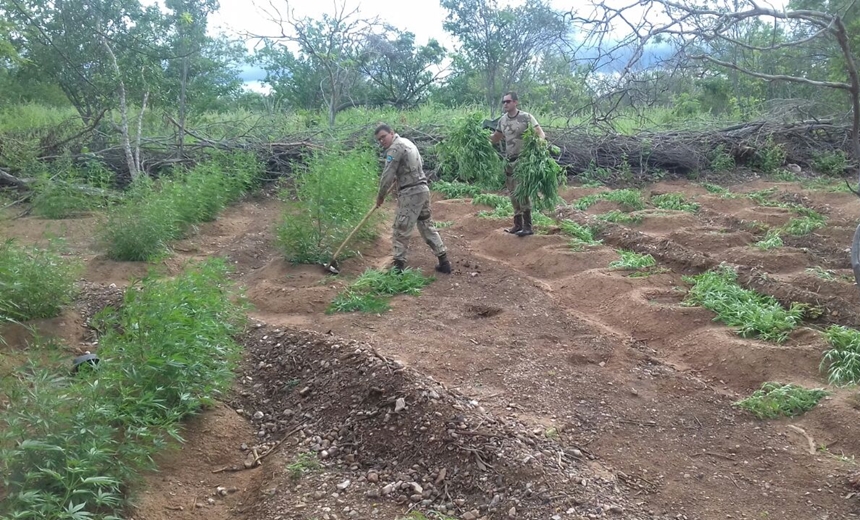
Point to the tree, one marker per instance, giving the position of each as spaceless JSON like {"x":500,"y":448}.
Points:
{"x":402,"y":73}
{"x":503,"y":44}
{"x":333,"y":45}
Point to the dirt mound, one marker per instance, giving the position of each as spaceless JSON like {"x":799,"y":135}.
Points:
{"x":388,"y":436}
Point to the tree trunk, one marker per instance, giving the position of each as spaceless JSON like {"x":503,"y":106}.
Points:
{"x":182,"y":110}
{"x":123,"y":113}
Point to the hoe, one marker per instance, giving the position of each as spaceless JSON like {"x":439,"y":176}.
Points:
{"x":331,"y":267}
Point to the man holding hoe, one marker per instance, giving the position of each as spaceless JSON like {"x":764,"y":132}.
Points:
{"x":512,"y":125}
{"x":403,"y":164}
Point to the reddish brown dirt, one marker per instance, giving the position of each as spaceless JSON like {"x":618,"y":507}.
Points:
{"x":542,"y":338}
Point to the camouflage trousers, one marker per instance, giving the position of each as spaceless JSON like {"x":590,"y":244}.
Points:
{"x":511,"y":185}
{"x":413,"y":208}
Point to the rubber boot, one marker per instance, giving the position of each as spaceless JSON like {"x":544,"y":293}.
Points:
{"x":444,"y":265}
{"x":518,"y":225}
{"x":397,"y":266}
{"x":527,"y":224}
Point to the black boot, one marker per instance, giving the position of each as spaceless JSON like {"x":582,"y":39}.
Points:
{"x":518,"y":225}
{"x":397,"y":266}
{"x":444,"y":266}
{"x":527,"y":224}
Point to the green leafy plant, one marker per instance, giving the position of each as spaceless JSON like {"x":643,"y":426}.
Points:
{"x":772,"y":240}
{"x":619,"y":217}
{"x":70,"y":446}
{"x":595,"y":175}
{"x":833,"y":164}
{"x":632,"y":260}
{"x":443,"y":224}
{"x":455,"y":189}
{"x":370,"y":291}
{"x":719,"y":160}
{"x":842,"y":360}
{"x":537,"y":174}
{"x":753,"y":315}
{"x":781,"y":400}
{"x":582,"y":236}
{"x":306,"y":462}
{"x":65,"y":189}
{"x":630,"y":200}
{"x":804,"y":225}
{"x":674,"y":201}
{"x":34,"y":282}
{"x":769,"y":157}
{"x":333,"y":192}
{"x":140,"y":229}
{"x":824,"y":274}
{"x":715,"y":188}
{"x":467,"y":154}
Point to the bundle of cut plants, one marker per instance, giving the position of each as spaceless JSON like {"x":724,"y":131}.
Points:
{"x":537,"y":174}
{"x":467,"y":155}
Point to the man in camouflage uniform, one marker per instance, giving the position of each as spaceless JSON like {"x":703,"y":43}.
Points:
{"x":512,"y":125}
{"x":403,"y":165}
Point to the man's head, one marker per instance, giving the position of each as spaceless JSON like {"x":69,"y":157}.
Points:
{"x":384,"y":135}
{"x":510,"y":101}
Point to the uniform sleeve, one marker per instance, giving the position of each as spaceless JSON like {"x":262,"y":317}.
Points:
{"x":393,"y":156}
{"x":532,"y":121}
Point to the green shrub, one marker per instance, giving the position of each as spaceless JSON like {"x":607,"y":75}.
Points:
{"x":772,"y":240}
{"x":64,"y":190}
{"x":619,"y":217}
{"x":778,"y":400}
{"x":804,"y":225}
{"x":34,"y":282}
{"x":769,"y":157}
{"x":833,"y":164}
{"x":370,"y":291}
{"x":333,"y":193}
{"x":455,"y":189}
{"x":140,"y":229}
{"x":582,"y":235}
{"x":754,"y":315}
{"x":842,"y":360}
{"x":674,"y":201}
{"x":630,"y":200}
{"x":467,"y":154}
{"x":69,"y":447}
{"x":719,"y":160}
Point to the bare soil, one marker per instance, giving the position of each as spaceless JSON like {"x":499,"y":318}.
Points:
{"x":534,"y":381}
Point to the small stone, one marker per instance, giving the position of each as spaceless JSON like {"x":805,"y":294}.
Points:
{"x":415,"y":498}
{"x":388,"y":489}
{"x":343,"y":485}
{"x":210,"y":501}
{"x":417,"y":487}
{"x":617,"y":510}
{"x":512,"y":512}
{"x":373,"y":477}
{"x":305,"y":391}
{"x":372,"y":493}
{"x":399,"y":405}
{"x":258,"y":415}
{"x":470,"y":516}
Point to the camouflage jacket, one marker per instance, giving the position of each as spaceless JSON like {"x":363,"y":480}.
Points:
{"x":513,"y":129}
{"x":402,"y":164}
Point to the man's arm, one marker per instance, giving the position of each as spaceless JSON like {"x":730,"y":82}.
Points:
{"x":536,"y":126}
{"x":389,"y":174}
{"x":496,"y":137}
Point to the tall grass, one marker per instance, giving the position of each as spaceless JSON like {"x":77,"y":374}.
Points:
{"x":371,"y":291}
{"x":332,"y":194}
{"x":34,"y":282}
{"x":842,"y":360}
{"x":70,"y":446}
{"x":778,"y":400}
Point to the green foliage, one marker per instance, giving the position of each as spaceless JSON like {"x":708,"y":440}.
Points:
{"x":306,"y":462}
{"x":370,"y":291}
{"x":674,"y":201}
{"x":842,"y":360}
{"x":334,"y":191}
{"x":443,"y":224}
{"x":772,"y":240}
{"x":714,"y":188}
{"x":630,"y":200}
{"x":720,"y":161}
{"x":65,"y":190}
{"x":141,"y":228}
{"x":632,"y":260}
{"x":754,"y":315}
{"x":833,"y":164}
{"x":769,"y":157}
{"x":804,"y":225}
{"x":34,"y":282}
{"x":467,"y":154}
{"x":537,"y":174}
{"x":502,"y":206}
{"x":595,"y":174}
{"x":619,"y":217}
{"x":69,"y":447}
{"x":455,"y":189}
{"x":820,"y":272}
{"x":582,"y":235}
{"x":775,"y":400}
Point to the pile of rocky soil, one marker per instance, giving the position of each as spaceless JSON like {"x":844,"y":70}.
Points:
{"x":353,"y":434}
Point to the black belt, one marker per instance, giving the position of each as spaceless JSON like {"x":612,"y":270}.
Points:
{"x":413,"y":185}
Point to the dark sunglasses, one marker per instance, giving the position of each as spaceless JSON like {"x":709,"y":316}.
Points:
{"x":506,"y":101}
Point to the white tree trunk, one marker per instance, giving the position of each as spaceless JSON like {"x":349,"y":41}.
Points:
{"x":123,"y":113}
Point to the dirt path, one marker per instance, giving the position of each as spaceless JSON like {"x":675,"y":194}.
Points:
{"x":554,"y":339}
